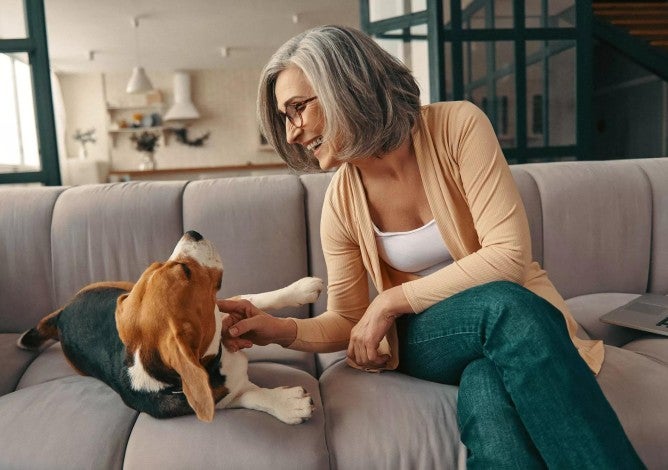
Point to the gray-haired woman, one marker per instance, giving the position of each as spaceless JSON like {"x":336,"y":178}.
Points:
{"x":423,"y":203}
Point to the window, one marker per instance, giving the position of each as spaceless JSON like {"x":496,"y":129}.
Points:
{"x":28,"y":144}
{"x":17,"y":116}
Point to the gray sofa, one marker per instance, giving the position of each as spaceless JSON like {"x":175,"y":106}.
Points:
{"x":599,"y":228}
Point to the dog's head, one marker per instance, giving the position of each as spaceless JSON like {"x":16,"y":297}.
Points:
{"x":168,"y":317}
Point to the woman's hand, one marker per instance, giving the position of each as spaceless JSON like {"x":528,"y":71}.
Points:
{"x":365,"y":337}
{"x":250,"y":325}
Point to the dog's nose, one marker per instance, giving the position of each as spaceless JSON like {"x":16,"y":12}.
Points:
{"x":194,"y":235}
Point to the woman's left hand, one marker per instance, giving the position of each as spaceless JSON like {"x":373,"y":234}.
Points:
{"x":365,"y":337}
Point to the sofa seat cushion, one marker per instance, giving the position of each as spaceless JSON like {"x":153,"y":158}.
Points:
{"x":635,"y":385}
{"x":389,"y":420}
{"x":74,"y":422}
{"x":49,"y":365}
{"x":14,"y":362}
{"x":237,"y":438}
{"x":274,"y":353}
{"x":652,"y":346}
{"x":588,"y":309}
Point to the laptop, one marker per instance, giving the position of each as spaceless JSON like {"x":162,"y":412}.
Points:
{"x":649,"y":312}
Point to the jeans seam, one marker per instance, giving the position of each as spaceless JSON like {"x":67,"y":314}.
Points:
{"x":443,"y":335}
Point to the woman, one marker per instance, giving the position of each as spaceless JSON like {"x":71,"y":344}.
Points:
{"x":424,"y":203}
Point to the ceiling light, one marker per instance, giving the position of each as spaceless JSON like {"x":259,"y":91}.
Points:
{"x":139,"y":81}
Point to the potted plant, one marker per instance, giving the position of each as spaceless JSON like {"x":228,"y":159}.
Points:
{"x":146,"y":142}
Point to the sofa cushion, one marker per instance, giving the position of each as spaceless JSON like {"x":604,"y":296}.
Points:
{"x":652,"y":346}
{"x":657,"y":173}
{"x":239,"y":439}
{"x":14,"y":362}
{"x":597,"y":219}
{"x":49,"y":365}
{"x":531,"y":199}
{"x":26,"y":277}
{"x":257,"y":224}
{"x":587,"y":311}
{"x":315,"y":186}
{"x":112,"y":232}
{"x":634,"y":386}
{"x":389,"y":420}
{"x":74,"y":423}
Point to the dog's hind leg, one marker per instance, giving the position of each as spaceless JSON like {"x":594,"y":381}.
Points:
{"x":45,"y":330}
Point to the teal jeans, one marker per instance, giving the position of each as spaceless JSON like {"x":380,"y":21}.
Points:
{"x":526,"y":398}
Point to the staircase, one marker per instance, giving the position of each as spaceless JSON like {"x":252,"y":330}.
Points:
{"x":638,"y":30}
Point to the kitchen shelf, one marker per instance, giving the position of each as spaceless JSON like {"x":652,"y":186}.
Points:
{"x":116,"y":113}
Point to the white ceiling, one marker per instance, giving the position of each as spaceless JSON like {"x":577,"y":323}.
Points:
{"x":172,"y":34}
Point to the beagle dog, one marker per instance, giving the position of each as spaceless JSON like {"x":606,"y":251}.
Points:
{"x":157,"y":342}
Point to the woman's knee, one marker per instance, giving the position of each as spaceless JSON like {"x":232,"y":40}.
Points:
{"x":512,"y":299}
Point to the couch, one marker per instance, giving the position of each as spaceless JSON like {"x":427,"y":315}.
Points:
{"x":600,"y":229}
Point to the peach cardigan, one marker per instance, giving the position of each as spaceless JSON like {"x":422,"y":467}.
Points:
{"x":480,"y":216}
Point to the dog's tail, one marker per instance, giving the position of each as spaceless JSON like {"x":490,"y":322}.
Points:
{"x":45,"y":330}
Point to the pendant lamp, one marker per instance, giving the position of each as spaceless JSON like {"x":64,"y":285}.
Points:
{"x":139,"y":81}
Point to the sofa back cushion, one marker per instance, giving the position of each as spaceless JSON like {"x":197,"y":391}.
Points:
{"x":25,"y":256}
{"x":315,"y":186}
{"x":112,"y":232}
{"x":531,"y":199}
{"x":597,"y":219}
{"x":656,"y":170}
{"x":257,"y":224}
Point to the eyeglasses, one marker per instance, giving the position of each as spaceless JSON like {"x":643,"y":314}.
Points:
{"x":293,"y":112}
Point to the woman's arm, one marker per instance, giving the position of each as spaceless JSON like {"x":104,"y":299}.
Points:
{"x":496,"y":211}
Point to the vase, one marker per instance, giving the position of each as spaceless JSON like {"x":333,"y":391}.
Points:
{"x":83,"y":153}
{"x":147,"y":161}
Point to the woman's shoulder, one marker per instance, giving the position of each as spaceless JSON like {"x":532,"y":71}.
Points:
{"x":456,"y":111}
{"x":340,"y":189}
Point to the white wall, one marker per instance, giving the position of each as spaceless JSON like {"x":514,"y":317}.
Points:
{"x":225,"y":100}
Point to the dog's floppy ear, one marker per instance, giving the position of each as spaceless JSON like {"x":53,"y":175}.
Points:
{"x":127,"y":306}
{"x":180,"y":356}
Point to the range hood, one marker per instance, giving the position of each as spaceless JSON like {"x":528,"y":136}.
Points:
{"x":183,"y":107}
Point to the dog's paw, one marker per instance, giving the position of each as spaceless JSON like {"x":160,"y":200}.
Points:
{"x":306,"y":290}
{"x":292,"y":405}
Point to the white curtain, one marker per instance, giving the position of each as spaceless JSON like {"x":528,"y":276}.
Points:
{"x":61,"y":120}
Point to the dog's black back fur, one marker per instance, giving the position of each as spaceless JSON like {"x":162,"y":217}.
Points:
{"x":90,"y":340}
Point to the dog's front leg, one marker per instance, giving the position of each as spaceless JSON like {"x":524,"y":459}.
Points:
{"x":291,"y":405}
{"x":304,"y":291}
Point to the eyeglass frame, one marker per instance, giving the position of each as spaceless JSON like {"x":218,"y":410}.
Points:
{"x":298,"y":108}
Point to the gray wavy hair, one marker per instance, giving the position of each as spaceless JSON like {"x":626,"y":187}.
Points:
{"x":370,"y":100}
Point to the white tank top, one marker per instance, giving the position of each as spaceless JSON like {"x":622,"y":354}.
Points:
{"x":420,"y":251}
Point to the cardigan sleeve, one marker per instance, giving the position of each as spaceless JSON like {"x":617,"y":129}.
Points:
{"x":348,"y":286}
{"x":499,"y":224}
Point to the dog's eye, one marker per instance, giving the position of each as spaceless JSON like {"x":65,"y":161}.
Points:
{"x":186,"y":270}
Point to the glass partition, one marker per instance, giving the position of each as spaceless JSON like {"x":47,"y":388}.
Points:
{"x":487,"y":14}
{"x":384,"y":9}
{"x":550,"y":13}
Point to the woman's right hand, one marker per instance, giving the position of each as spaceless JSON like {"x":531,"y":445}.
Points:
{"x":259,"y":327}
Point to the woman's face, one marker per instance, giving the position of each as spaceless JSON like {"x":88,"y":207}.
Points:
{"x":292,"y":88}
